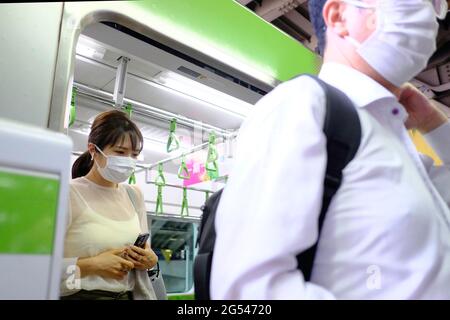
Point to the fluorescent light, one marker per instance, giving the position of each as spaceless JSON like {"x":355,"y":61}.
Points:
{"x":209,"y":95}
{"x":89,"y":49}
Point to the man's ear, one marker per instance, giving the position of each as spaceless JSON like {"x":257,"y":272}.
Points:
{"x":333,"y":15}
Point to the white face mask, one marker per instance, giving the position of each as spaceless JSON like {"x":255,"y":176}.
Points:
{"x":117,"y":169}
{"x":404,"y":39}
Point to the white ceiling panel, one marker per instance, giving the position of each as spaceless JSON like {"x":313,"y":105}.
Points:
{"x":92,"y":74}
{"x":139,"y":50}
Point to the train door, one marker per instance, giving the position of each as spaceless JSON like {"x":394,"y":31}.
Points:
{"x":186,"y":110}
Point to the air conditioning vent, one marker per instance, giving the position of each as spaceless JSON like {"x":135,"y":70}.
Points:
{"x":185,"y":57}
{"x":190,"y":72}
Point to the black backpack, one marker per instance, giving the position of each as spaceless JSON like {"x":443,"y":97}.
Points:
{"x":343,"y":131}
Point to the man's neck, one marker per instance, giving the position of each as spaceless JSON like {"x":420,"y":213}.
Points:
{"x":362,"y":67}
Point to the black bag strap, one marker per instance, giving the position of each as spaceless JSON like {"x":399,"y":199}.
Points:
{"x":342,"y":129}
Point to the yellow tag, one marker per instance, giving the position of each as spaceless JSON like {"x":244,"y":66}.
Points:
{"x":423,"y":147}
{"x":167,"y":253}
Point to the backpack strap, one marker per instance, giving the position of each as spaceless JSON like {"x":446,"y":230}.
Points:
{"x":206,"y":239}
{"x":342,"y":129}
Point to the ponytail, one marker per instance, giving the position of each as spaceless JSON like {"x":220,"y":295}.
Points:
{"x":82,"y":165}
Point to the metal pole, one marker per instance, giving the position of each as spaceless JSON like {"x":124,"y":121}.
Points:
{"x":181,"y":187}
{"x":172,"y":217}
{"x":187,"y":273}
{"x":193,"y":150}
{"x":121,"y":81}
{"x":147,"y":110}
{"x":147,"y":178}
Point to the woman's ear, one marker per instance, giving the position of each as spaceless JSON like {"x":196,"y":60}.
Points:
{"x":333,"y":15}
{"x":91,"y":150}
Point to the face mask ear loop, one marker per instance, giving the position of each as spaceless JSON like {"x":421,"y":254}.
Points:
{"x":353,"y":41}
{"x":359,"y":4}
{"x":104,"y":155}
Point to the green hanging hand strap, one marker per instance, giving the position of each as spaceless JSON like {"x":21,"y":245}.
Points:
{"x":159,"y":202}
{"x":128,"y":110}
{"x":183,"y":172}
{"x":73,"y":111}
{"x":132,"y":179}
{"x":160,"y":179}
{"x":206,"y":196}
{"x":211,"y":165}
{"x":173,"y":143}
{"x":184,"y":204}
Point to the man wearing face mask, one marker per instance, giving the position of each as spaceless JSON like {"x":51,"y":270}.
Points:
{"x":386,"y":234}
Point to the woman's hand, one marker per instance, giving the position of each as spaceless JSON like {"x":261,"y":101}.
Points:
{"x":141,"y":258}
{"x":108,"y":264}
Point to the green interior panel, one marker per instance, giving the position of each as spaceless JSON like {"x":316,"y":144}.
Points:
{"x":231,"y":28}
{"x":181,"y":297}
{"x":28,"y":207}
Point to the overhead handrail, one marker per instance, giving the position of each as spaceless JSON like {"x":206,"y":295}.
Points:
{"x":146,"y":110}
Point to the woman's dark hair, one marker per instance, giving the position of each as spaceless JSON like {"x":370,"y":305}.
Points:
{"x":108,"y":128}
{"x":315,"y":13}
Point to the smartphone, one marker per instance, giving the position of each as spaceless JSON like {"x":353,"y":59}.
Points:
{"x":141,"y":240}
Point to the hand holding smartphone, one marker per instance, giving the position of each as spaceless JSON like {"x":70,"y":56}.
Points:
{"x":130,"y":254}
{"x":141,"y":240}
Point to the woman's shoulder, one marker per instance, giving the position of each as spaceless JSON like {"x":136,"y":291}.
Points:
{"x":77,"y":182}
{"x":136,"y":189}
{"x":77,"y":186}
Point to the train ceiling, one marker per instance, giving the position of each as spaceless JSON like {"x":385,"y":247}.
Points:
{"x":292,"y":17}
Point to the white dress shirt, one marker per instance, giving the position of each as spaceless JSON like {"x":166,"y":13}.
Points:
{"x":386,"y":234}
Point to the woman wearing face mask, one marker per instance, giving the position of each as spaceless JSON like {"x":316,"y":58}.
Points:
{"x":103,"y":222}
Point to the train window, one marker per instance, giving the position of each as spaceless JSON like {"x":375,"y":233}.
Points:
{"x":174,"y":243}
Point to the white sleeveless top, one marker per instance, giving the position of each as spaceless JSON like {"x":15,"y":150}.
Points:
{"x":101,"y":219}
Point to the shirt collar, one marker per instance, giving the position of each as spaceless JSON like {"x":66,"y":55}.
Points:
{"x":360,"y":88}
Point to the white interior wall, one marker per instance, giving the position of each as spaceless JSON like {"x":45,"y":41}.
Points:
{"x":29,"y":34}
